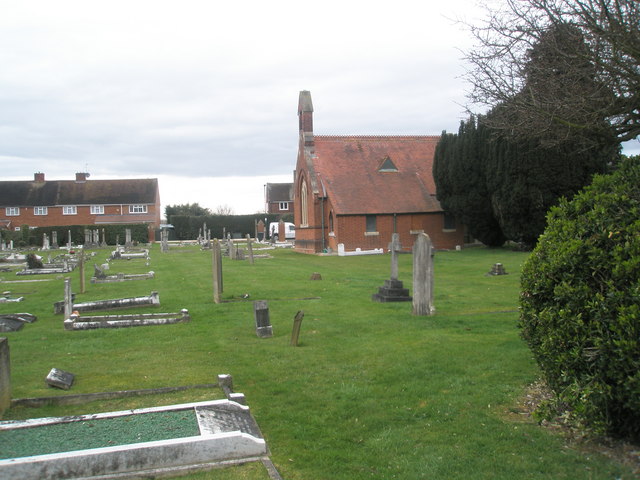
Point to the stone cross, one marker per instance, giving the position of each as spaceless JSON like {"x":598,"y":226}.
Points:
{"x":394,"y":248}
{"x":423,"y":276}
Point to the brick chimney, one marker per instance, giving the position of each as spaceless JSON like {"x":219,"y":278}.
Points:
{"x":38,"y":177}
{"x":81,"y":177}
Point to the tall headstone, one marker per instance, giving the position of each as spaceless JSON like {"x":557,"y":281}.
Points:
{"x":127,"y":233}
{"x":393,"y":289}
{"x":216,"y":256}
{"x":69,"y":239}
{"x":423,"y":276}
{"x":68,"y":298}
{"x":5,"y":375}
{"x":250,"y":249}
{"x":263,"y":322}
{"x":260,"y":228}
{"x":81,"y":269}
{"x":54,"y":239}
{"x":104,"y":239}
{"x":87,"y":237}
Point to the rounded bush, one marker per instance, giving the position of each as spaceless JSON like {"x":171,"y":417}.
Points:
{"x":580,"y":303}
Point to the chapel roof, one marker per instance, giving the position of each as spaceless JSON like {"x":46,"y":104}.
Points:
{"x":377,"y":174}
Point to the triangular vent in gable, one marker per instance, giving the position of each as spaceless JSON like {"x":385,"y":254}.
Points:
{"x":387,"y":165}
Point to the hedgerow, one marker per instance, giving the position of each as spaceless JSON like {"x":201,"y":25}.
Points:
{"x":580,"y":303}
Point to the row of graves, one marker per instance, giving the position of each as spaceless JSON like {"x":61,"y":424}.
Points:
{"x":224,"y":431}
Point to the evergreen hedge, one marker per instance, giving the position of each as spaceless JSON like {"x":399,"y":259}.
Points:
{"x":580,"y":303}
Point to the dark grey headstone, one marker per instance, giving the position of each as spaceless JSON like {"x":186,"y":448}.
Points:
{"x":263,"y":322}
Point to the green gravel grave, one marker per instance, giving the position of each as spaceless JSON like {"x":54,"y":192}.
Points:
{"x":96,"y":433}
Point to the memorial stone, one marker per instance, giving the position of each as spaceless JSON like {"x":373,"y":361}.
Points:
{"x":423,"y":276}
{"x":59,"y":379}
{"x":393,"y":289}
{"x":263,"y":322}
{"x":5,"y":375}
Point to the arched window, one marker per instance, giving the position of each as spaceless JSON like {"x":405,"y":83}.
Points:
{"x":331,"y":221}
{"x":304,"y":214}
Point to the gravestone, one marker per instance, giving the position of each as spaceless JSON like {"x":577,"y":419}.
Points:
{"x":216,"y":256}
{"x":5,"y":375}
{"x":423,"y":276}
{"x":226,"y":418}
{"x":263,"y":322}
{"x":68,"y":298}
{"x":250,"y":249}
{"x":393,"y":289}
{"x":54,"y":239}
{"x":127,"y":243}
{"x":60,"y":379}
{"x":297,"y":323}
{"x":497,"y":269}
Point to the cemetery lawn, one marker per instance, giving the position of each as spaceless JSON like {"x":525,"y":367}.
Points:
{"x":371,"y":392}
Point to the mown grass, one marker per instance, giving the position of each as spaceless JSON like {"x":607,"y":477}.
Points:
{"x":370,"y":392}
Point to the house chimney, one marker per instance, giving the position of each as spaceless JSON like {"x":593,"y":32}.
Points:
{"x":81,"y":177}
{"x":38,"y":177}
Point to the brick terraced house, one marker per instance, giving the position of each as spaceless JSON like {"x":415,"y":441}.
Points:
{"x":42,"y":203}
{"x":358,"y":190}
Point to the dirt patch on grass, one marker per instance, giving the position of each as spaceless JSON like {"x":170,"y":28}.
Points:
{"x":535,"y":394}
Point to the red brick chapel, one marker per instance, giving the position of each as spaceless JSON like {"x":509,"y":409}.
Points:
{"x":358,"y":190}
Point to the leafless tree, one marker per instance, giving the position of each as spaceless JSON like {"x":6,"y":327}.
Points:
{"x":223,"y":210}
{"x":551,"y":98}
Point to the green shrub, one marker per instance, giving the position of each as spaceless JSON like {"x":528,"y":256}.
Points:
{"x":580,"y":303}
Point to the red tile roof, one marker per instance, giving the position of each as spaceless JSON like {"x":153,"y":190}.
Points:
{"x":348,"y":167}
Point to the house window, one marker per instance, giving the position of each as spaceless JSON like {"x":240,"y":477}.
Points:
{"x":284,"y":205}
{"x":70,"y":210}
{"x":304,"y":215}
{"x":40,"y":210}
{"x":449,"y":222}
{"x":97,"y":209}
{"x":371,"y":224}
{"x":12,"y":211}
{"x":137,"y":209}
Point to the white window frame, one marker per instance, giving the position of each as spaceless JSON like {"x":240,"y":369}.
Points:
{"x":69,"y":210}
{"x":97,"y":209}
{"x":40,"y":211}
{"x":137,"y":209}
{"x":12,"y":211}
{"x":283,"y":205}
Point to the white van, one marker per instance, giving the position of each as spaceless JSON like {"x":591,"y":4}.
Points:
{"x":289,"y":231}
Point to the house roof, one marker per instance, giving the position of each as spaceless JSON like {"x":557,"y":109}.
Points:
{"x":279,"y":192}
{"x":69,"y":192}
{"x":377,"y":174}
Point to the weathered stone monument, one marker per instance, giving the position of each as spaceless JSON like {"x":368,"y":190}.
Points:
{"x":68,"y":298}
{"x":393,"y":290}
{"x":263,"y":322}
{"x":127,"y":242}
{"x":54,"y":239}
{"x":216,"y":255}
{"x":497,"y":269}
{"x":297,"y":323}
{"x":59,"y":379}
{"x":5,"y":375}
{"x":250,"y":249}
{"x":423,"y":276}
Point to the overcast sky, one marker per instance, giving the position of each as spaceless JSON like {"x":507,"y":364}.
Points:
{"x":203,"y":94}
